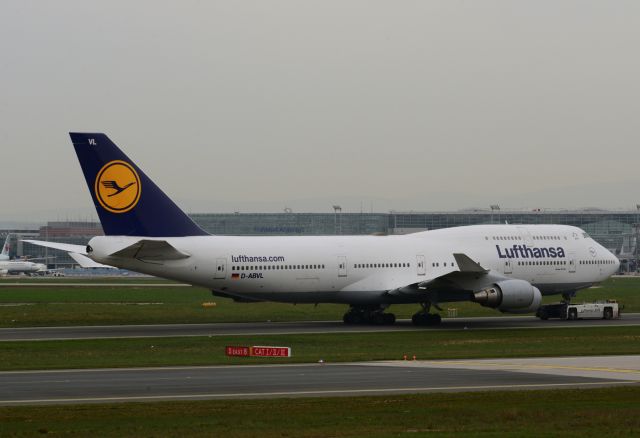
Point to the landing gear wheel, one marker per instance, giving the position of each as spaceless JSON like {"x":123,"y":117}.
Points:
{"x":425,"y":319}
{"x":368,"y":316}
{"x":352,"y":318}
{"x":382,"y":318}
{"x":389,"y":319}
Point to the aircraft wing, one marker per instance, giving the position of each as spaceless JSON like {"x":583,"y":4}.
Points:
{"x":86,"y":262}
{"x":68,"y":247}
{"x":468,"y":278}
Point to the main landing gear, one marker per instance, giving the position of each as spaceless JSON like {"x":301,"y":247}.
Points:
{"x":366,"y":315}
{"x":424,"y":317}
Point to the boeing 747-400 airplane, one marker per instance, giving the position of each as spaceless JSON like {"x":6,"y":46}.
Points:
{"x":506,"y":267}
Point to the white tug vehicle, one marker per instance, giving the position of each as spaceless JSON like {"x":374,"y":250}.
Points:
{"x":609,"y":309}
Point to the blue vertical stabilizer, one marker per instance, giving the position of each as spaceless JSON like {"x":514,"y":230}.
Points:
{"x":127,"y":201}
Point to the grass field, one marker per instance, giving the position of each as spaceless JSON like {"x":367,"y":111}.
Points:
{"x":35,"y":305}
{"x":607,"y":412}
{"x":334,"y":347}
{"x":569,"y":413}
{"x":83,"y":279}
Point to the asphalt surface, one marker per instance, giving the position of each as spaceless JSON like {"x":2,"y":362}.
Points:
{"x":268,"y":381}
{"x":267,"y":328}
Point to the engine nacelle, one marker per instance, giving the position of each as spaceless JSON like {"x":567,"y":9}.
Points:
{"x":511,"y":296}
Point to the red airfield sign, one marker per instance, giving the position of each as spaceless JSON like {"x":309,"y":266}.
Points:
{"x":257,"y":351}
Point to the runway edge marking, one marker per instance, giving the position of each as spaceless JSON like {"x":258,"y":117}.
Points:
{"x":327,"y":392}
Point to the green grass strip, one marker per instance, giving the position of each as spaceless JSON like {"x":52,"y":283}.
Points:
{"x":335,"y":347}
{"x":35,"y":305}
{"x":606,"y":412}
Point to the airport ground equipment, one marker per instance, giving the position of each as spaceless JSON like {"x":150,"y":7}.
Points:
{"x":609,"y":309}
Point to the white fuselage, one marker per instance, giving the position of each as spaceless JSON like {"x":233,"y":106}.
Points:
{"x":363,"y":269}
{"x":17,"y":266}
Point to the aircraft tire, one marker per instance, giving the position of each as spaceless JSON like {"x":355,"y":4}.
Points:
{"x":349,"y":318}
{"x":389,"y":319}
{"x":426,"y":319}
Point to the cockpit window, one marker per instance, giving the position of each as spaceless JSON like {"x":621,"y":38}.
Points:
{"x":585,"y":235}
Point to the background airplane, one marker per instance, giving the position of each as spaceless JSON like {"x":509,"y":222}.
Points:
{"x":21,"y":267}
{"x":4,"y":255}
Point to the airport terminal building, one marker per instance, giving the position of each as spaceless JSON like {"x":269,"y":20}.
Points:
{"x":615,"y":230}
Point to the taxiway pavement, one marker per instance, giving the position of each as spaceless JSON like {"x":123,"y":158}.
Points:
{"x":272,"y":328}
{"x":347,"y":379}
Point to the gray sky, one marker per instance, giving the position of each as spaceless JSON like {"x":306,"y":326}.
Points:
{"x":261,"y":105}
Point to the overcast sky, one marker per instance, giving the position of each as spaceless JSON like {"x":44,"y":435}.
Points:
{"x":261,"y":105}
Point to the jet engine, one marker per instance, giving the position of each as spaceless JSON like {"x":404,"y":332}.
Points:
{"x":510,"y":296}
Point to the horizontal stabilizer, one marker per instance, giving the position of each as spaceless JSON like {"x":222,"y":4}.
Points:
{"x":86,"y":262}
{"x":151,"y":250}
{"x":465,"y":264}
{"x":68,"y":247}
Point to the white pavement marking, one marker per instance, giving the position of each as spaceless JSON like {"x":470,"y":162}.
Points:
{"x":283,"y":328}
{"x":316,"y":393}
{"x":603,"y":367}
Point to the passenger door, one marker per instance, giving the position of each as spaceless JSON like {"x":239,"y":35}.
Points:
{"x":221,"y":269}
{"x":507,"y":266}
{"x":420,"y":265}
{"x":342,"y":266}
{"x":572,"y":262}
{"x":526,"y":236}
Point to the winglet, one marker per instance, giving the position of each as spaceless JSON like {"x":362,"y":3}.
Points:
{"x":466,"y":264}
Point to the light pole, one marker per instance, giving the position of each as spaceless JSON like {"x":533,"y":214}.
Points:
{"x":336,"y":209}
{"x":637,"y":232}
{"x":495,"y":207}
